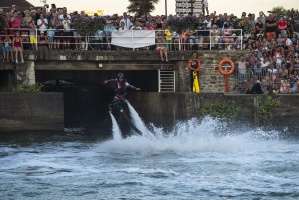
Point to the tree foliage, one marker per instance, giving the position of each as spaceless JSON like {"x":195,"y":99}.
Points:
{"x":283,"y":11}
{"x":141,"y":7}
{"x":86,"y":26}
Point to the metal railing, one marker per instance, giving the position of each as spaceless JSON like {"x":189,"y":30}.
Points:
{"x":179,"y":42}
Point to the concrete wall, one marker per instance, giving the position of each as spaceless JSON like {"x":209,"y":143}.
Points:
{"x":31,"y":112}
{"x":165,"y":109}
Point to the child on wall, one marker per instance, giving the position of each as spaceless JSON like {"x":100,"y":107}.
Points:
{"x":168,"y":37}
{"x":50,"y":34}
{"x":8,"y":48}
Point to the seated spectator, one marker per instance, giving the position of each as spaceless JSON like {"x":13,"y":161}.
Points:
{"x":264,"y":86}
{"x":161,"y":46}
{"x":17,"y":44}
{"x":253,"y":87}
{"x":226,"y":36}
{"x":25,"y":39}
{"x":8,"y":48}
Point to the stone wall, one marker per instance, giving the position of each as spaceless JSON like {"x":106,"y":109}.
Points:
{"x":166,"y":109}
{"x":31,"y":112}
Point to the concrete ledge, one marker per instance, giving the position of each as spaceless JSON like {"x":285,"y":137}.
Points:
{"x":31,"y":112}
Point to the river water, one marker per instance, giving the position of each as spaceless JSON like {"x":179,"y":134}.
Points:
{"x":198,"y":160}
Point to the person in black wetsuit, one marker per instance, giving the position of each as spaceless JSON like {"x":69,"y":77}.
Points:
{"x":121,"y":89}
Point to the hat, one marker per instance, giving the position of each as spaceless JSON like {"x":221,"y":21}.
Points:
{"x":26,"y":11}
{"x":14,"y":6}
{"x":146,"y":23}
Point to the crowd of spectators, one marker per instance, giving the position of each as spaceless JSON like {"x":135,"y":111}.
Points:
{"x":271,"y":40}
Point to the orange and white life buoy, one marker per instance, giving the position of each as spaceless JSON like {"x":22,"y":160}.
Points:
{"x":232,"y":69}
{"x":198,"y":64}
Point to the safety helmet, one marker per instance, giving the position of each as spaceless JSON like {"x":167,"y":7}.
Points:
{"x":120,"y":75}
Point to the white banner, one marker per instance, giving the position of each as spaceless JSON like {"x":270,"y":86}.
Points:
{"x":133,"y":38}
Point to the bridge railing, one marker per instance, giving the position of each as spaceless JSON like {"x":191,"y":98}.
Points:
{"x":135,"y":39}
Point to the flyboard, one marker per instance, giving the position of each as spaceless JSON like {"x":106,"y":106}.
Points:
{"x":119,"y":108}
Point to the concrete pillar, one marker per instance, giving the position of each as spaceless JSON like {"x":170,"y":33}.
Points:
{"x":25,"y":73}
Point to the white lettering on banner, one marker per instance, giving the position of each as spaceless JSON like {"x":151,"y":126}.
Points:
{"x":188,"y":10}
{"x":133,"y":38}
{"x":188,"y":5}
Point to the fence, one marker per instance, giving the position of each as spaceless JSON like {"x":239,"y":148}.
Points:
{"x":206,"y":39}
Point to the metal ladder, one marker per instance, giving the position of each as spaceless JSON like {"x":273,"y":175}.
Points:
{"x":166,"y":80}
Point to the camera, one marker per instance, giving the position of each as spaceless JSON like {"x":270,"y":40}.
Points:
{"x":46,"y":6}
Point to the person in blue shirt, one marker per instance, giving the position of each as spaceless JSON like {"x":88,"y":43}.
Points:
{"x":107,"y":32}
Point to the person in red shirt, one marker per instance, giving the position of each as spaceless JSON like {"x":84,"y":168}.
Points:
{"x":282,"y":26}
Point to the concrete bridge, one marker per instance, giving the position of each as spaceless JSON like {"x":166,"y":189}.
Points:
{"x":166,"y":86}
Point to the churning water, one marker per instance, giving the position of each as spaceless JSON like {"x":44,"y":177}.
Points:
{"x":195,"y":161}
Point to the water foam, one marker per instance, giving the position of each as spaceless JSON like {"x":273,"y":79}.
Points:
{"x":137,"y":121}
{"x":115,"y":128}
{"x":194,"y":136}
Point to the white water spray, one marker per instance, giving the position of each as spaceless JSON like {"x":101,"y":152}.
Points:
{"x":137,"y":121}
{"x":115,"y":128}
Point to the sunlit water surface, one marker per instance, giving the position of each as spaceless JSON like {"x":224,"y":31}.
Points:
{"x":196,"y":161}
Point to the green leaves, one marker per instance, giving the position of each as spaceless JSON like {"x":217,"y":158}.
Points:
{"x":86,"y":26}
{"x":224,"y":109}
{"x":34,"y":88}
{"x":141,"y":7}
{"x":266,"y":105}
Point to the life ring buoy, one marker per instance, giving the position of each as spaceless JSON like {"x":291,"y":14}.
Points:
{"x":232,"y":69}
{"x":198,"y":64}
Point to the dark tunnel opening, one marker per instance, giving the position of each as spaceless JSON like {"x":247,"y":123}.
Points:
{"x":86,"y":98}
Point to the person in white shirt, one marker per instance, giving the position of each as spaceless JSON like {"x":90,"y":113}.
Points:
{"x":64,"y":12}
{"x":206,"y":5}
{"x":42,"y":23}
{"x":126,"y":20}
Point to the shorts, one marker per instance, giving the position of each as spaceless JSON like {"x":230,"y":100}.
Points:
{"x":8,"y":48}
{"x":32,"y":39}
{"x":242,"y":77}
{"x":205,"y":3}
{"x":159,"y":49}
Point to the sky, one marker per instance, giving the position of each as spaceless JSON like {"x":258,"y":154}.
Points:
{"x":119,"y":6}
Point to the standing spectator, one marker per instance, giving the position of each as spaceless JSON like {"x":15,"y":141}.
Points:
{"x":168,"y":37}
{"x":126,"y":20}
{"x":25,"y":39}
{"x":107,"y":33}
{"x":42,"y":23}
{"x":43,"y":47}
{"x":15,"y":22}
{"x":63,"y":13}
{"x":56,"y":25}
{"x":295,"y":24}
{"x":2,"y":49}
{"x":26,"y":19}
{"x":282,"y":26}
{"x":206,"y":6}
{"x":259,"y":27}
{"x":32,"y":34}
{"x":18,"y":46}
{"x":270,"y":27}
{"x":242,"y":73}
{"x":50,"y":34}
{"x":66,"y":23}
